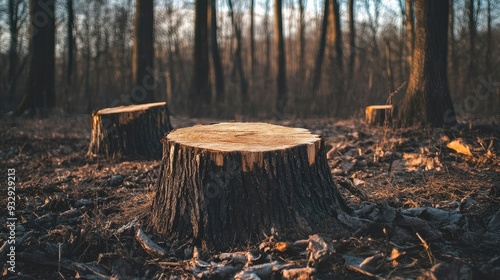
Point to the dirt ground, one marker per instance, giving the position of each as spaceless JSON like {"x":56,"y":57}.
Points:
{"x":426,"y":204}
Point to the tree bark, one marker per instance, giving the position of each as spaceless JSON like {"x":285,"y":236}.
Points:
{"x":40,"y":95}
{"x":489,"y":41}
{"x":336,"y":34}
{"x":131,"y":131}
{"x":410,"y":30}
{"x":472,"y":71}
{"x":251,"y":57}
{"x":453,"y":55}
{"x":13,"y":57}
{"x":216,"y":60}
{"x":71,"y":57}
{"x":226,"y":185}
{"x":301,"y":43}
{"x":427,"y":100}
{"x":143,"y":53}
{"x":321,"y":50}
{"x":352,"y":40}
{"x":281,"y":96}
{"x":200,"y":93}
{"x":239,"y":59}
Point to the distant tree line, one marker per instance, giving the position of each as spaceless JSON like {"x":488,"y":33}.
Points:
{"x":255,"y":58}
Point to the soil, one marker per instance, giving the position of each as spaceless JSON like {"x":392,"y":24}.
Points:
{"x":422,"y":209}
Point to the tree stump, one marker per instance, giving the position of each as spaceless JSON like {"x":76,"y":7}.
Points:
{"x":377,"y":114}
{"x":227,"y":184}
{"x":131,"y":131}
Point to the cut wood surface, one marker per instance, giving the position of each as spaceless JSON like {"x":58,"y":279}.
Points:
{"x":132,"y":131}
{"x":227,"y":184}
{"x":377,"y":114}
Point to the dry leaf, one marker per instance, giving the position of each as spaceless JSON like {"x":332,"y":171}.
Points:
{"x":460,"y":147}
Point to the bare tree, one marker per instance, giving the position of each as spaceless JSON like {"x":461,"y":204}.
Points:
{"x":143,"y":54}
{"x":472,"y":25}
{"x":251,"y":57}
{"x":238,"y":58}
{"x":281,"y":96}
{"x":200,"y":93}
{"x":489,"y":40}
{"x":71,"y":57}
{"x":336,"y":33}
{"x":452,"y":43}
{"x":321,"y":49}
{"x":352,"y":39}
{"x":40,"y":94}
{"x":214,"y":46}
{"x":427,"y":100}
{"x":301,"y":37}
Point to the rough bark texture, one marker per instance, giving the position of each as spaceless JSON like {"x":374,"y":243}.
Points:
{"x":201,"y":89}
{"x":131,"y":131}
{"x":427,"y":100}
{"x":143,"y":54}
{"x":225,"y":185}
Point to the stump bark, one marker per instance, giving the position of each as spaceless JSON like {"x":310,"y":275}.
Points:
{"x":227,"y":184}
{"x":131,"y":131}
{"x":378,"y":114}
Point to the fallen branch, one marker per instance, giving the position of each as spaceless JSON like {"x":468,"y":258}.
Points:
{"x":148,"y":245}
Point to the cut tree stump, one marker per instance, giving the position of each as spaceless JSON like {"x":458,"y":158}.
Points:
{"x":377,"y":114}
{"x":228,"y":184}
{"x":132,"y":131}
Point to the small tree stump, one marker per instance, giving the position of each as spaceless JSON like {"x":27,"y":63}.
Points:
{"x":227,"y":184}
{"x":132,"y":131}
{"x":377,"y":114}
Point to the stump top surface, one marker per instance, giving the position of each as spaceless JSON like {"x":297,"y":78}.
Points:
{"x":130,"y":108}
{"x":238,"y":136}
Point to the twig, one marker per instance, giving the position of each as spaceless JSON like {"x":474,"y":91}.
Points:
{"x":363,"y":272}
{"x":427,"y":249}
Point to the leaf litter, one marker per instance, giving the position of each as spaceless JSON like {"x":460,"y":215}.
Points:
{"x":426,"y":206}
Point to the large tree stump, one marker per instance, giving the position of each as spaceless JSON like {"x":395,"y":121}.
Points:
{"x":227,"y":184}
{"x":132,"y":131}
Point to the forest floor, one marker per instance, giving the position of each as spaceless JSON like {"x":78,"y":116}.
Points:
{"x":423,"y":210}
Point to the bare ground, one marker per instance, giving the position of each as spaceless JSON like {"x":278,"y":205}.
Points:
{"x":78,"y":216}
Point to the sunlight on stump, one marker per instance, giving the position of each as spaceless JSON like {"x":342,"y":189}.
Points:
{"x":228,"y":184}
{"x":377,"y":114}
{"x":132,"y":131}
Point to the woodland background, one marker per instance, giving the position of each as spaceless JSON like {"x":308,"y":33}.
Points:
{"x":366,"y":57}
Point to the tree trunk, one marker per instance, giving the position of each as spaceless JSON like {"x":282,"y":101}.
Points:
{"x":143,"y":54}
{"x":40,"y":95}
{"x":352,"y":40}
{"x":427,"y":100}
{"x":321,"y":50}
{"x":388,"y":66}
{"x":251,"y":57}
{"x":336,"y":34}
{"x":70,"y":45}
{"x":489,"y":41}
{"x":131,"y":131}
{"x":472,"y":71}
{"x":214,"y":45}
{"x":281,"y":96}
{"x":13,"y":57}
{"x":228,"y":184}
{"x":410,"y":30}
{"x":200,"y":93}
{"x":239,"y":60}
{"x":301,"y":38}
{"x":453,"y":55}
